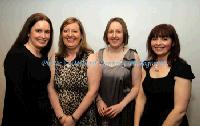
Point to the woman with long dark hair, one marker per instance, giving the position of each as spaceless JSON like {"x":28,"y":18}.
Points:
{"x":28,"y":74}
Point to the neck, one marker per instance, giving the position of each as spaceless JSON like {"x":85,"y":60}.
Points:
{"x":162,"y":58}
{"x":34,"y":50}
{"x":115,"y":50}
{"x":71,"y":54}
{"x":160,"y":63}
{"x":72,"y":51}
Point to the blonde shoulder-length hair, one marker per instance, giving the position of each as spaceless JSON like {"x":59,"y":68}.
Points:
{"x":62,"y":50}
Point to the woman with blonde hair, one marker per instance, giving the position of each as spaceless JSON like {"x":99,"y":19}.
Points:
{"x":76,"y":79}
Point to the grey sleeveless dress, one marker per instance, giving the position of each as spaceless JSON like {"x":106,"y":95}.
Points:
{"x":115,"y":84}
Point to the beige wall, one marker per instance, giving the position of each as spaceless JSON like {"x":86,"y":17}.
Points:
{"x":2,"y":91}
{"x":140,"y":16}
{"x":3,"y":50}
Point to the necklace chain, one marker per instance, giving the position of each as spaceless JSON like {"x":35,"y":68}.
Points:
{"x":156,"y":69}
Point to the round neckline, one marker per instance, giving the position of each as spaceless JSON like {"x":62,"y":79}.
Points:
{"x":31,"y":54}
{"x":160,"y":77}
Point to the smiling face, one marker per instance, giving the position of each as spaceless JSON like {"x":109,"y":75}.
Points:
{"x":163,"y":41}
{"x":39,"y":34}
{"x":161,"y":46}
{"x":115,"y":35}
{"x":71,"y":35}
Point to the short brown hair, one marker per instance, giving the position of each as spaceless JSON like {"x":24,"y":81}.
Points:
{"x":124,"y":27}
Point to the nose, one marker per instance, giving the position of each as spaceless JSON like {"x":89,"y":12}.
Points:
{"x":43,"y":35}
{"x":158,"y":41}
{"x":70,"y":33}
{"x":114,"y":34}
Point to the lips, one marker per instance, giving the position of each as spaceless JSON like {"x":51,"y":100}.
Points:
{"x":70,"y":40}
{"x":115,"y":40}
{"x":42,"y":41}
{"x":159,"y":48}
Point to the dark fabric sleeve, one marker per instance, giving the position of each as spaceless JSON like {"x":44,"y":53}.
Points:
{"x":183,"y":70}
{"x":15,"y":106}
{"x":14,"y":70}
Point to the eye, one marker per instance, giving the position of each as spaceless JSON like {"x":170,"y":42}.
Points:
{"x":75,"y":31}
{"x":118,"y":31}
{"x":38,"y":30}
{"x":65,"y":30}
{"x":165,"y":38}
{"x":154,"y":38}
{"x":110,"y":31}
{"x":47,"y":31}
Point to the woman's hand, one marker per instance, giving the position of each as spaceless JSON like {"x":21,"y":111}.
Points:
{"x":67,"y":121}
{"x":113,"y":110}
{"x":102,"y":107}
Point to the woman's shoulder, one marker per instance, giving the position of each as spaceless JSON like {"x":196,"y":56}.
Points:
{"x":15,"y":56}
{"x":58,"y":57}
{"x":132,"y":50}
{"x":15,"y":53}
{"x":182,"y":69}
{"x":130,"y":53}
{"x":59,"y":60}
{"x":180,"y":64}
{"x":101,"y":50}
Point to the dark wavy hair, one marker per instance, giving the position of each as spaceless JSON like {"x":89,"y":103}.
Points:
{"x":124,"y":27}
{"x":23,"y":35}
{"x":62,"y":49}
{"x":164,"y":30}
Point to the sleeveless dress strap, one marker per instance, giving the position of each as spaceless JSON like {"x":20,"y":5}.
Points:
{"x":100,"y":55}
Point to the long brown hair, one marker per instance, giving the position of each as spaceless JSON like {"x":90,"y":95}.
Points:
{"x":23,"y":35}
{"x":164,"y":30}
{"x":62,"y":50}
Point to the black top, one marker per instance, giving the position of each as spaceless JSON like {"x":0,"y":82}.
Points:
{"x":160,"y":93}
{"x":26,"y":100}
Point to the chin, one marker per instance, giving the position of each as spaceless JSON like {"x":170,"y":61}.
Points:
{"x":116,"y":46}
{"x":72,"y":47}
{"x":42,"y":45}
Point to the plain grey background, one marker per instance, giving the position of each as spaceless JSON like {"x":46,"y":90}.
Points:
{"x":140,"y":15}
